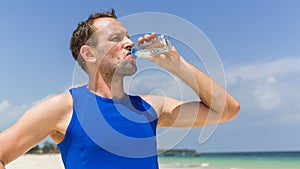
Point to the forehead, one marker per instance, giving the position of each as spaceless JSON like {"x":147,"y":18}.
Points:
{"x":108,"y":26}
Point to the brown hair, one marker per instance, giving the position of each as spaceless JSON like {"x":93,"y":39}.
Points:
{"x":82,"y":34}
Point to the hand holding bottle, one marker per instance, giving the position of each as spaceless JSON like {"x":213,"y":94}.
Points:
{"x":152,"y":45}
{"x":157,"y":48}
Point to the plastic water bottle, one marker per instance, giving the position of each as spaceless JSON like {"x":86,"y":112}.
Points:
{"x":158,"y":45}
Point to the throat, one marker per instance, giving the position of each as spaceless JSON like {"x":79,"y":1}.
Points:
{"x":108,"y":90}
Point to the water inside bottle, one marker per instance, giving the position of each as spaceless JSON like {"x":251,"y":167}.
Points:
{"x":143,"y":51}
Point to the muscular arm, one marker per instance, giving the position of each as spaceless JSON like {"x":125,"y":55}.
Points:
{"x":216,"y":105}
{"x":43,"y":119}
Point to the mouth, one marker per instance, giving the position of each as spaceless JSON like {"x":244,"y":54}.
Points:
{"x":130,"y":54}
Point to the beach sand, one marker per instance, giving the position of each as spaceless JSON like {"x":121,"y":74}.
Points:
{"x":285,"y":160}
{"x":45,"y":161}
{"x":29,"y":161}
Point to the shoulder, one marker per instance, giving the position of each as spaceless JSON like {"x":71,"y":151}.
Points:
{"x":58,"y":107}
{"x":63,"y":101}
{"x":55,"y":111}
{"x":59,"y":103}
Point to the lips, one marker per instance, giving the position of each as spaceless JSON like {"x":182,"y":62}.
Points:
{"x":129,"y":54}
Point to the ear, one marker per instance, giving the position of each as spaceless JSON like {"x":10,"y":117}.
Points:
{"x":87,"y":54}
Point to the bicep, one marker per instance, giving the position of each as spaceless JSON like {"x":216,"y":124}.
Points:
{"x":161,"y":104}
{"x":178,"y":114}
{"x":35,"y":125}
{"x":19,"y":138}
{"x":188,"y":115}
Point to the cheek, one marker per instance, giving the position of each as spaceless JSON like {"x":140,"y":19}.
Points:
{"x":115,"y":47}
{"x":115,"y":52}
{"x":110,"y":53}
{"x":108,"y":49}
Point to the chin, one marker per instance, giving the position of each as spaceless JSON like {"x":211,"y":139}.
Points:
{"x":130,"y":72}
{"x":127,"y":69}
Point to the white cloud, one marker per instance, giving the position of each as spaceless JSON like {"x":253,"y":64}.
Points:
{"x":4,"y":105}
{"x":263,"y":70}
{"x":268,"y":89}
{"x":267,"y":94}
{"x":10,"y":113}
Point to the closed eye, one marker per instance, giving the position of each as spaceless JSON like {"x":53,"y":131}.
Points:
{"x":117,"y":38}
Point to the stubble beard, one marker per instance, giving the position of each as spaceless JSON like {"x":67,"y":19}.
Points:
{"x":127,"y":68}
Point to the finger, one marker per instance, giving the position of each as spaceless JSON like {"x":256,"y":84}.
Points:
{"x":147,"y":37}
{"x":141,"y":40}
{"x":151,"y":58}
{"x":153,"y":35}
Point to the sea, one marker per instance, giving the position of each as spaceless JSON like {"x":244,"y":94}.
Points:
{"x":244,"y":160}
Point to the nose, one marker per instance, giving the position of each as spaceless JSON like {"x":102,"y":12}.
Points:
{"x":128,"y":44}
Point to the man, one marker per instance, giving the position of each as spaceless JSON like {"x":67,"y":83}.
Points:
{"x":101,"y":45}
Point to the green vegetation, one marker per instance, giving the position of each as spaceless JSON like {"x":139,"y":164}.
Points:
{"x":47,"y":148}
{"x":179,"y":152}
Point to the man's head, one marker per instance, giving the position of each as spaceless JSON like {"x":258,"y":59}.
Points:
{"x":83,"y":34}
{"x":104,"y":38}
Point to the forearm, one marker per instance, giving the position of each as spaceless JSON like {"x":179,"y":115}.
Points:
{"x":211,"y":94}
{"x":9,"y":147}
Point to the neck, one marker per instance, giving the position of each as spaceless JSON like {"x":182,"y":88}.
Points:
{"x":107,"y":86}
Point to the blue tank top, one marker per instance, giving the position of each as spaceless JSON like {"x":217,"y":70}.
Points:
{"x":109,"y":133}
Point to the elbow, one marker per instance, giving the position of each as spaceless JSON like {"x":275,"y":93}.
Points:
{"x":231,"y":112}
{"x":235,"y":110}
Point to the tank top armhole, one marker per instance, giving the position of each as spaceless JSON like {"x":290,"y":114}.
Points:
{"x":68,"y":132}
{"x":151,"y":110}
{"x":64,"y":142}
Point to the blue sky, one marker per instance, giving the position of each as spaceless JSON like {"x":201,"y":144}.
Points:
{"x":257,"y":42}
